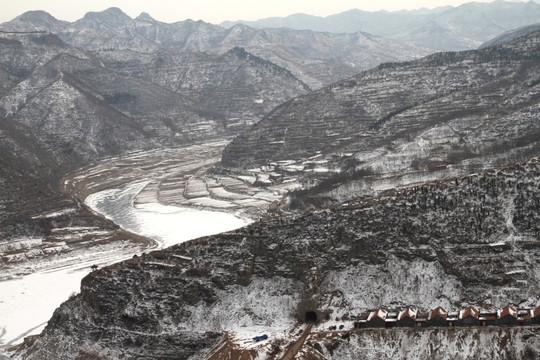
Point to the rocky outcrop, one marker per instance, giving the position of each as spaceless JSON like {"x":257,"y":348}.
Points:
{"x":472,"y":240}
{"x":495,"y":343}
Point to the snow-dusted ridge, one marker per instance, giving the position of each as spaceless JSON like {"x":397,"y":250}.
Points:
{"x":329,"y":263}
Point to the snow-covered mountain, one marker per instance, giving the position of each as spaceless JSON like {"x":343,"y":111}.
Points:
{"x":404,"y":153}
{"x":404,"y":123}
{"x":316,"y":58}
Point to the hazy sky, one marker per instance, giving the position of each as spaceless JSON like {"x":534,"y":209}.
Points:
{"x":213,"y":11}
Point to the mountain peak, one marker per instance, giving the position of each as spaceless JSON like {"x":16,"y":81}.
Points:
{"x":36,"y":15}
{"x":35,"y":20}
{"x":144,"y":16}
{"x":112,"y":16}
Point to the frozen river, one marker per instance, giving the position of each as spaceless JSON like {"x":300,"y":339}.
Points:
{"x":27,"y":303}
{"x":168,"y":225}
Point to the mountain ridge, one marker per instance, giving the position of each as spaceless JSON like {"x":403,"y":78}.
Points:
{"x":388,"y":251}
{"x":311,"y":62}
{"x":421,"y":117}
{"x":445,"y":28}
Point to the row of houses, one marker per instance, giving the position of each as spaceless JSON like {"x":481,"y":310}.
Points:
{"x":439,"y":317}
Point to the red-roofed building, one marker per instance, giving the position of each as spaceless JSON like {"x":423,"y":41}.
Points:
{"x":406,"y":318}
{"x":469,"y":317}
{"x":437,"y":317}
{"x":508,"y":316}
{"x":377,"y":318}
{"x":536,"y":316}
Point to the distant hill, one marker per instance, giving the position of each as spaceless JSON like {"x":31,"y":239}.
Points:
{"x":444,"y":28}
{"x":510,"y":35}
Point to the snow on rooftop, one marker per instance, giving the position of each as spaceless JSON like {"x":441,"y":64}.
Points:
{"x":410,"y":312}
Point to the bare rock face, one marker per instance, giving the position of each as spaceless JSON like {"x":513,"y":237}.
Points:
{"x":472,"y":240}
{"x":440,"y":116}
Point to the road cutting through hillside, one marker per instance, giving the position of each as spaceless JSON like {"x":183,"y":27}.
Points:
{"x":294,"y":348}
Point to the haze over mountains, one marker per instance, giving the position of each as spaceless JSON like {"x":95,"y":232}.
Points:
{"x":314,"y":58}
{"x":444,"y":28}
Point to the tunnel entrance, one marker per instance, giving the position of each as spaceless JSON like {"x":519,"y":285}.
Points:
{"x":311,"y":317}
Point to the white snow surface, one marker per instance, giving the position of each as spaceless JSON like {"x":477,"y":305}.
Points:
{"x":27,"y":302}
{"x":264,"y":307}
{"x":168,"y":225}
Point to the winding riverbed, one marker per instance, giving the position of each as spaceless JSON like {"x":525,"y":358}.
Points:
{"x":27,"y":302}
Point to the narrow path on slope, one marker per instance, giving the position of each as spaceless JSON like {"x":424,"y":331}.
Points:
{"x":294,"y":348}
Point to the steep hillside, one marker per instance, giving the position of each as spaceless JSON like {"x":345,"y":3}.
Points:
{"x":510,"y":35}
{"x":94,"y":110}
{"x":37,"y":220}
{"x":472,"y":240}
{"x":61,"y":108}
{"x":440,"y":116}
{"x":316,"y":58}
{"x":238,"y":85}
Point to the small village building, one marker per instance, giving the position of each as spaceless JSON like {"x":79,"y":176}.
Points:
{"x":489,"y":318}
{"x":453,"y":318}
{"x":536,"y":316}
{"x":524,"y":316}
{"x":469,"y":317}
{"x":421,"y":318}
{"x":406,"y":318}
{"x":361,"y":320}
{"x":508,"y":316}
{"x":437,"y":317}
{"x":377,"y":318}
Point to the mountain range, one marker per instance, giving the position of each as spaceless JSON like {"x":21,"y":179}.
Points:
{"x":469,"y":240}
{"x":443,"y":28}
{"x":420,"y":174}
{"x":315,"y":58}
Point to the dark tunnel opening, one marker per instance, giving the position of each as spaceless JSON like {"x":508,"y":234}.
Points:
{"x":311,"y":316}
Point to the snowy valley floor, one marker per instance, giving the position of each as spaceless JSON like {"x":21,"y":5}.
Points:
{"x":32,"y":291}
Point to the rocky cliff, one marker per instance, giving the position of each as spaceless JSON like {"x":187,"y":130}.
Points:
{"x":472,"y":240}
